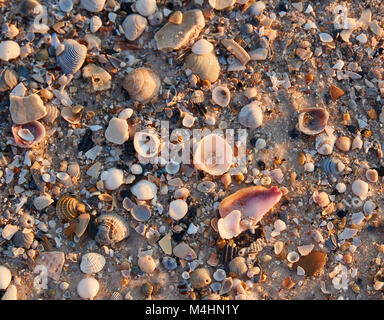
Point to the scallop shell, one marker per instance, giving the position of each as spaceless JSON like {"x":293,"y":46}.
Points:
{"x":332,"y":166}
{"x":68,"y":208}
{"x":88,"y":288}
{"x":72,"y":57}
{"x":92,"y":263}
{"x":146,"y":7}
{"x":213,"y":155}
{"x":147,"y":264}
{"x":221,"y":96}
{"x":202,"y":46}
{"x":74,"y":170}
{"x":8,"y":79}
{"x":93,"y":5}
{"x":23,"y":239}
{"x":206,"y":66}
{"x":9,"y":50}
{"x":5,"y":277}
{"x":112,"y":228}
{"x":313,"y":120}
{"x":29,"y":134}
{"x":133,"y":26}
{"x":251,"y":115}
{"x":52,"y":114}
{"x":200,"y":278}
{"x":324,"y":143}
{"x":146,"y":143}
{"x":142,"y":84}
{"x":95,"y":24}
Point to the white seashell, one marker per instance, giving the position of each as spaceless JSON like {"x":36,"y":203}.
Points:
{"x":293,"y":257}
{"x":178,"y":209}
{"x":206,"y":186}
{"x":147,"y":264}
{"x":369,"y":207}
{"x":229,"y":226}
{"x":306,"y":249}
{"x":66,"y":5}
{"x":172,"y":167}
{"x":136,"y":169}
{"x":74,"y":170}
{"x":360,"y":188}
{"x":202,"y":47}
{"x":26,"y":135}
{"x":5,"y":277}
{"x":9,"y":50}
{"x":93,"y":5}
{"x":251,"y":115}
{"x":133,"y":26}
{"x":324,"y":143}
{"x":144,"y":190}
{"x":146,"y":143}
{"x":42,"y":202}
{"x":113,"y":178}
{"x":72,"y":57}
{"x":11,"y":293}
{"x":205,"y":66}
{"x":362,"y":38}
{"x":146,"y":7}
{"x":257,"y":8}
{"x":221,"y":4}
{"x":9,"y":231}
{"x":279,"y":225}
{"x":357,"y":142}
{"x":64,"y":178}
{"x":92,"y":263}
{"x":142,"y":84}
{"x":221,"y":96}
{"x":26,"y":109}
{"x":188,"y":120}
{"x":278,"y":247}
{"x":117,"y":131}
{"x":341,"y":187}
{"x":325,"y":37}
{"x":95,"y":24}
{"x":88,"y":288}
{"x":126,"y":114}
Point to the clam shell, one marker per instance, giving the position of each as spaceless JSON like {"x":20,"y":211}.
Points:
{"x":229,"y":226}
{"x":313,"y":120}
{"x":112,"y":228}
{"x":52,"y":114}
{"x":95,"y":24}
{"x":360,"y":188}
{"x":5,"y":277}
{"x":147,"y":264}
{"x":74,"y":170}
{"x":146,"y":7}
{"x":202,"y":46}
{"x":113,"y":178}
{"x":324,"y":143}
{"x":81,"y":224}
{"x":238,"y":266}
{"x":142,"y":84}
{"x":141,"y":213}
{"x":117,"y":131}
{"x":53,"y":261}
{"x":93,"y":5}
{"x":251,"y":115}
{"x":9,"y":50}
{"x":71,"y":114}
{"x":88,"y":288}
{"x":221,"y":4}
{"x":42,"y":201}
{"x":8,"y":79}
{"x":73,"y":56}
{"x":10,"y":294}
{"x":92,"y":263}
{"x":26,"y":109}
{"x":178,"y":209}
{"x":146,"y":143}
{"x":144,"y":190}
{"x":134,"y":26}
{"x":332,"y":166}
{"x":29,"y":134}
{"x":206,"y":66}
{"x":101,"y":79}
{"x":23,"y":239}
{"x":221,"y":96}
{"x":68,"y":208}
{"x":200,"y":278}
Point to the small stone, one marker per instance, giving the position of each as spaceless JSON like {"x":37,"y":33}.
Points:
{"x":343,"y":143}
{"x":166,"y":244}
{"x":325,"y":37}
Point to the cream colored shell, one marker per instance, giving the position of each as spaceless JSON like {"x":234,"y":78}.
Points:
{"x":206,"y":66}
{"x":92,"y":263}
{"x":142,"y":84}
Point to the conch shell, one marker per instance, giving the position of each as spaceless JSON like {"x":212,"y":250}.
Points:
{"x":142,"y":84}
{"x":313,"y":120}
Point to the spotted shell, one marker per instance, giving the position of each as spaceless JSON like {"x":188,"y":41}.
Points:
{"x":52,"y":114}
{"x":206,"y":66}
{"x":93,"y":5}
{"x":8,"y":79}
{"x":72,"y":57}
{"x":142,"y":84}
{"x":68,"y":208}
{"x":133,"y":26}
{"x":92,"y":263}
{"x":112,"y":228}
{"x":313,"y":120}
{"x":22,"y":239}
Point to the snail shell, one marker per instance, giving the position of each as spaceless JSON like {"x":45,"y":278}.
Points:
{"x":133,"y":26}
{"x":8,"y":79}
{"x":23,"y":239}
{"x":52,"y":114}
{"x":29,"y":134}
{"x":206,"y":66}
{"x":112,"y":228}
{"x":92,"y":263}
{"x":93,"y":5}
{"x":72,"y":57}
{"x":313,"y":120}
{"x":325,"y":143}
{"x":142,"y":84}
{"x":68,"y":208}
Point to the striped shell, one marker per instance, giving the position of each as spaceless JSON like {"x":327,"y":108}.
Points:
{"x":92,"y":263}
{"x":93,"y":5}
{"x":68,"y":208}
{"x":52,"y":113}
{"x":133,"y":26}
{"x":112,"y":228}
{"x":206,"y":66}
{"x":147,"y":289}
{"x":332,"y":166}
{"x":8,"y":79}
{"x":197,"y":96}
{"x":74,"y":170}
{"x":72,"y":57}
{"x":23,"y":240}
{"x":142,"y":84}
{"x":116,"y":296}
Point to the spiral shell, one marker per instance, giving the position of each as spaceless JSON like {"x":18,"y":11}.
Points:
{"x":133,"y":26}
{"x":112,"y":228}
{"x":93,"y":5}
{"x":206,"y":66}
{"x":92,"y":263}
{"x":142,"y":84}
{"x":23,"y":239}
{"x":313,"y":120}
{"x":72,"y":57}
{"x":332,"y":166}
{"x":8,"y":79}
{"x":68,"y":208}
{"x":52,"y":113}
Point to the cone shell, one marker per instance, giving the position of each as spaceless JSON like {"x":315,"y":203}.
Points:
{"x":142,"y":84}
{"x":92,"y":263}
{"x":313,"y":120}
{"x":133,"y":26}
{"x":200,"y":278}
{"x":29,"y":134}
{"x":93,"y":5}
{"x":73,"y":56}
{"x":68,"y":208}
{"x":8,"y":79}
{"x":206,"y":66}
{"x":23,"y":239}
{"x":112,"y":228}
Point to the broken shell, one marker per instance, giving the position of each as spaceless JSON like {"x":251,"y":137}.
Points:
{"x":10,"y":294}
{"x":313,"y":120}
{"x":92,"y":263}
{"x":360,"y":188}
{"x":343,"y":143}
{"x":229,"y":226}
{"x":238,"y":266}
{"x":142,"y":84}
{"x":5,"y":277}
{"x":221,"y":96}
{"x":101,"y":79}
{"x":372,"y":175}
{"x":146,"y":7}
{"x":117,"y":131}
{"x":293,"y":257}
{"x":8,"y":79}
{"x":146,"y":143}
{"x":147,"y":289}
{"x":112,"y":228}
{"x":88,"y":288}
{"x":202,"y":47}
{"x":206,"y":186}
{"x":26,"y":109}
{"x":23,"y":239}
{"x":233,"y":47}
{"x":322,"y":198}
{"x":147,"y":264}
{"x":42,"y":201}
{"x":253,"y":202}
{"x":95,"y":24}
{"x":306,"y":249}
{"x":72,"y":57}
{"x":178,"y":209}
{"x":29,"y":134}
{"x":141,"y":213}
{"x":335,"y":92}
{"x":221,"y":4}
{"x":113,"y":178}
{"x":313,"y":263}
{"x":74,"y":170}
{"x":278,"y":248}
{"x":26,"y":221}
{"x":9,"y":50}
{"x":251,"y":115}
{"x":144,"y":190}
{"x":68,"y":208}
{"x":52,"y":113}
{"x":172,"y":167}
{"x":81,"y":224}
{"x":332,"y":166}
{"x":134,"y":26}
{"x":200,"y":278}
{"x":53,"y":261}
{"x":93,"y":5}
{"x":176,"y":17}
{"x":206,"y":66}
{"x":324,"y":143}
{"x":357,"y":142}
{"x":72,"y":114}
{"x":197,"y":96}
{"x":369,"y":207}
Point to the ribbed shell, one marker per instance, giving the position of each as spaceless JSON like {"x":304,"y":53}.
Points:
{"x":73,"y":56}
{"x":92,"y":263}
{"x":142,"y":84}
{"x":74,"y":170}
{"x":112,"y":228}
{"x":52,"y":113}
{"x":206,"y":66}
{"x":116,"y":296}
{"x":332,"y":166}
{"x":68,"y":208}
{"x":93,"y":5}
{"x":134,"y":25}
{"x":23,"y":240}
{"x":8,"y":79}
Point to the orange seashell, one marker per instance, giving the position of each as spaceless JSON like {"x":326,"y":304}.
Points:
{"x":309,"y":77}
{"x":288,"y":283}
{"x":313,"y":263}
{"x":335,"y":92}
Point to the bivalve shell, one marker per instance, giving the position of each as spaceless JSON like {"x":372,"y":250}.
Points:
{"x":141,"y":213}
{"x":372,"y":175}
{"x":81,"y":224}
{"x":221,"y":96}
{"x":229,"y":226}
{"x":52,"y":114}
{"x":68,"y":208}
{"x":95,"y":24}
{"x":178,"y":209}
{"x":332,"y":166}
{"x":142,"y":84}
{"x":5,"y":277}
{"x":28,"y":134}
{"x":74,"y":170}
{"x":112,"y":228}
{"x":313,"y":120}
{"x":113,"y":178}
{"x":343,"y":143}
{"x":92,"y":263}
{"x":251,"y":115}
{"x":53,"y":261}
{"x":72,"y":57}
{"x":8,"y":79}
{"x":93,"y":5}
{"x":72,"y":114}
{"x":360,"y":188}
{"x":88,"y":288}
{"x":206,"y":66}
{"x":233,"y":47}
{"x":26,"y":109}
{"x":117,"y":131}
{"x":293,"y":257}
{"x":147,"y":264}
{"x":9,"y":50}
{"x":42,"y":201}
{"x":238,"y":266}
{"x":144,"y":190}
{"x":324,"y":143}
{"x":146,"y":143}
{"x":202,"y":46}
{"x":134,"y":26}
{"x":23,"y":238}
{"x":10,"y":294}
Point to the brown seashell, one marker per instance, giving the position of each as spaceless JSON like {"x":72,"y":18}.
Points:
{"x":111,"y":229}
{"x":147,"y":289}
{"x":80,"y":224}
{"x":335,"y":92}
{"x":72,"y":114}
{"x":29,"y":134}
{"x":176,"y":17}
{"x":52,"y":113}
{"x":313,"y":263}
{"x":8,"y":79}
{"x":233,"y":47}
{"x":206,"y":66}
{"x":200,"y":278}
{"x":23,"y":239}
{"x":343,"y":143}
{"x":68,"y":208}
{"x":142,"y":84}
{"x":288,"y":283}
{"x":313,"y":120}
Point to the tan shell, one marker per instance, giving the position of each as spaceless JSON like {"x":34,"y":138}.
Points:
{"x":81,"y":224}
{"x":142,"y":84}
{"x":93,"y":5}
{"x":202,"y":46}
{"x":26,"y":109}
{"x":233,"y":47}
{"x":68,"y":208}
{"x":101,"y":79}
{"x":133,"y":26}
{"x":52,"y":114}
{"x":221,"y":96}
{"x":74,"y":170}
{"x":313,"y":120}
{"x":112,"y":228}
{"x":200,"y":278}
{"x":147,"y":264}
{"x":176,"y":17}
{"x":8,"y":79}
{"x":238,"y":266}
{"x":221,"y":4}
{"x":92,"y":263}
{"x":9,"y":50}
{"x":72,"y":114}
{"x":54,"y":261}
{"x":206,"y":66}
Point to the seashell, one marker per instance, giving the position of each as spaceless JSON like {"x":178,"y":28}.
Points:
{"x":66,"y":5}
{"x":68,"y":208}
{"x":29,"y":7}
{"x":233,"y":47}
{"x":219,"y":275}
{"x":147,"y":264}
{"x":175,"y":36}
{"x":238,"y":266}
{"x":226,"y":286}
{"x":332,"y":166}
{"x":9,"y":231}
{"x":322,"y":198}
{"x":181,"y":193}
{"x":206,"y":66}
{"x":221,"y":4}
{"x":197,"y":96}
{"x":229,"y":252}
{"x":357,"y":142}
{"x":26,"y":109}
{"x":360,"y":188}
{"x":221,"y":96}
{"x":9,"y":50}
{"x":113,"y":178}
{"x":10,"y":294}
{"x":101,"y":79}
{"x":5,"y":277}
{"x":176,"y":17}
{"x":116,"y":296}
{"x":183,"y":251}
{"x":251,"y":115}
{"x":144,"y":190}
{"x":93,"y":5}
{"x":146,"y":7}
{"x":343,"y":143}
{"x":146,"y":143}
{"x":369,"y":207}
{"x":169,"y":263}
{"x":72,"y":114}
{"x":324,"y":143}
{"x":293,"y":257}
{"x":92,"y":263}
{"x":325,"y":37}
{"x":142,"y":84}
{"x":278,"y":248}
{"x":156,"y":19}
{"x":213,"y":155}
{"x":178,"y":209}
{"x":134,"y":26}
{"x":312,"y":263}
{"x":313,"y":120}
{"x":117,"y":131}
{"x":229,"y":226}
{"x":200,"y":278}
{"x":306,"y":249}
{"x":64,"y":178}
{"x":95,"y":24}
{"x":257,"y":8}
{"x":80,"y":224}
{"x":8,"y":79}
{"x":206,"y":186}
{"x":74,"y":170}
{"x":52,"y":113}
{"x":92,"y":41}
{"x":335,"y":92}
{"x":172,"y":167}
{"x":23,"y":239}
{"x":53,"y":261}
{"x":147,"y":289}
{"x":202,"y":47}
{"x":29,"y":134}
{"x":88,"y":288}
{"x":42,"y":201}
{"x":26,"y":221}
{"x":372,"y":175}
{"x":112,"y":228}
{"x":72,"y":56}
{"x":141,"y":213}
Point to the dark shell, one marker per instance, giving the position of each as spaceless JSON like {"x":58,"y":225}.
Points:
{"x":147,"y":289}
{"x":229,"y":252}
{"x":313,"y":263}
{"x":68,"y":208}
{"x":332,"y":166}
{"x":73,"y":56}
{"x":112,"y":228}
{"x":23,"y":240}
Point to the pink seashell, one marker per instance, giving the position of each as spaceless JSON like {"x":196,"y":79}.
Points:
{"x":28,"y":134}
{"x":252,"y":202}
{"x":229,"y":226}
